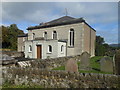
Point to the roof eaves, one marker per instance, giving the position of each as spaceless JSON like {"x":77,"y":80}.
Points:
{"x":57,"y":24}
{"x":24,"y":35}
{"x":90,"y":26}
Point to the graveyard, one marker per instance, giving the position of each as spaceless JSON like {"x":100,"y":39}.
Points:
{"x":94,"y":64}
{"x":64,"y":72}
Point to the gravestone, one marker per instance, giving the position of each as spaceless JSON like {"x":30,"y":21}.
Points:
{"x":71,"y":66}
{"x":84,"y":61}
{"x":117,"y":63}
{"x":106,"y":64}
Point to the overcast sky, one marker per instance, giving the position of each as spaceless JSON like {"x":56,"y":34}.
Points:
{"x":102,"y":16}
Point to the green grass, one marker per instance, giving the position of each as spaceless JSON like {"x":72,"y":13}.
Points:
{"x":60,"y":68}
{"x":94,"y":64}
{"x":7,"y":85}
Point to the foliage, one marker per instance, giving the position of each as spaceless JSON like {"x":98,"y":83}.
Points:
{"x":102,"y":48}
{"x":9,"y":36}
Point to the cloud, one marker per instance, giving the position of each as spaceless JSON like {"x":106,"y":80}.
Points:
{"x":92,"y":11}
{"x":36,"y":12}
{"x":95,"y":13}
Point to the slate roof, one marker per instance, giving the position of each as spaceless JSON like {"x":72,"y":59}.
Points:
{"x":65,"y":20}
{"x":23,"y":35}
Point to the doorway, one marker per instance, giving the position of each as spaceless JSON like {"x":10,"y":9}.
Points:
{"x":39,"y":51}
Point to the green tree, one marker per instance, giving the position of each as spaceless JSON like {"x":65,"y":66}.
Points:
{"x":101,"y":47}
{"x":9,"y":36}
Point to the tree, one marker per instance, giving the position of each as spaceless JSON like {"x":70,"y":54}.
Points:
{"x":9,"y":36}
{"x":101,"y":47}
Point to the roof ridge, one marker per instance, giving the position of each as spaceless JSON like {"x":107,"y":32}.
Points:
{"x":60,"y":21}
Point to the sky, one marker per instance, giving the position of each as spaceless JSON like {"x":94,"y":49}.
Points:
{"x":102,"y":16}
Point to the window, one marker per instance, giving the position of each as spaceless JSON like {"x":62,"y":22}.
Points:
{"x":23,"y":48}
{"x":45,"y":35}
{"x":33,"y":36}
{"x":30,"y":48}
{"x":71,"y":37}
{"x":62,"y":47}
{"x":23,"y":39}
{"x":54,"y":35}
{"x":49,"y":48}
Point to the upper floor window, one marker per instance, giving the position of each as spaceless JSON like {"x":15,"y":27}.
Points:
{"x":30,"y":48}
{"x":54,"y":35}
{"x":49,"y":48}
{"x":33,"y":35}
{"x":45,"y":35}
{"x":71,"y":37}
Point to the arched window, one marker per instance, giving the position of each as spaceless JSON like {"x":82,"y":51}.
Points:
{"x":33,"y":36}
{"x":71,"y":37}
{"x":62,"y":48}
{"x":54,"y":35}
{"x":49,"y":48}
{"x":30,"y":48}
{"x":45,"y":35}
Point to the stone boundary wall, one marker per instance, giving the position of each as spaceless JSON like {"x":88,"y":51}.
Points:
{"x":59,"y":79}
{"x":52,"y":62}
{"x":13,"y":53}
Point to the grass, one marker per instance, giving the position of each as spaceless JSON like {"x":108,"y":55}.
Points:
{"x":8,"y":85}
{"x":94,"y":64}
{"x":59,"y":68}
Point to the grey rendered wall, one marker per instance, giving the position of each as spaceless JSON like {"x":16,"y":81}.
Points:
{"x":45,"y":54}
{"x":63,"y":33}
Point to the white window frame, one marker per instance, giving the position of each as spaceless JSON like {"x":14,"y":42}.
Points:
{"x":49,"y":49}
{"x":33,"y":36}
{"x":72,"y":35}
{"x":62,"y":48}
{"x":30,"y":48}
{"x":44,"y":35}
{"x":23,"y":39}
{"x":53,"y":35}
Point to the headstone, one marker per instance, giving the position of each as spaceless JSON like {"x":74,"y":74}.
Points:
{"x":85,"y":61}
{"x":71,"y":66}
{"x":117,"y":63}
{"x":106,"y":64}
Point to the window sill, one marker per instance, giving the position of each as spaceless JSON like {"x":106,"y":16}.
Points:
{"x":62,"y":52}
{"x":49,"y":52}
{"x":70,"y":46}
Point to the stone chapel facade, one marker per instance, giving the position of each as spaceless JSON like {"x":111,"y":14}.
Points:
{"x":65,"y":36}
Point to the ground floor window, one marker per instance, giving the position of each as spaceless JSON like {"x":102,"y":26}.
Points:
{"x":62,"y":47}
{"x":49,"y":48}
{"x":30,"y":48}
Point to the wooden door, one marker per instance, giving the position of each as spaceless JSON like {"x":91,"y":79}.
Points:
{"x":39,"y":51}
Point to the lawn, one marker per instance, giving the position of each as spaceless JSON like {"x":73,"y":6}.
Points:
{"x":94,"y":64}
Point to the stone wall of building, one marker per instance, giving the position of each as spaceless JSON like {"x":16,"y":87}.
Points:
{"x":59,"y":79}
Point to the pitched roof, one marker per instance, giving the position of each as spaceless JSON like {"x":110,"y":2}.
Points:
{"x":23,"y":35}
{"x":58,"y":22}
